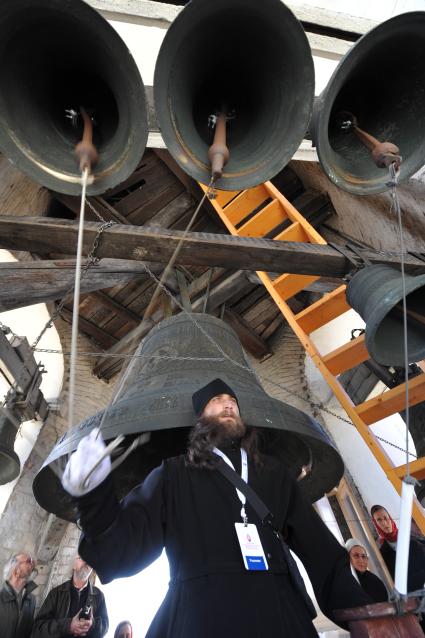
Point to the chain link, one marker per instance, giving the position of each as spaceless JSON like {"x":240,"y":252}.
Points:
{"x":92,"y":260}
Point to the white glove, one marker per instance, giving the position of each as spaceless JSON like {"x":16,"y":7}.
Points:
{"x":90,"y":449}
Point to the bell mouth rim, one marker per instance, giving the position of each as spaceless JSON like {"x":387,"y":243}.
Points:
{"x":315,"y":448}
{"x":187,"y":158}
{"x":35,"y":163}
{"x":394,"y":295}
{"x":326,"y":100}
{"x":13,"y":464}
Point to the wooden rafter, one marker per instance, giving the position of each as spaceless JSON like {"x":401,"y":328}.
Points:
{"x":39,"y":234}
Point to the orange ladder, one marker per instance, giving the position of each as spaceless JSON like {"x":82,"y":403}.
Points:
{"x":259,"y":211}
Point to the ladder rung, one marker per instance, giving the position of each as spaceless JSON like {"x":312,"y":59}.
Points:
{"x":294,"y":232}
{"x":224,"y":197}
{"x":331,"y":305}
{"x":294,"y":214}
{"x":245,"y":203}
{"x":265,"y":220}
{"x":416,"y":469}
{"x":392,"y":401}
{"x":288,"y":285}
{"x":347,"y":356}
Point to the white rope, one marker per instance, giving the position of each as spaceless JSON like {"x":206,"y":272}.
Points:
{"x":76,"y":304}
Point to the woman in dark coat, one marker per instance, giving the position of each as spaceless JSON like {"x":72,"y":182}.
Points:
{"x":372,"y":585}
{"x":387,"y":532}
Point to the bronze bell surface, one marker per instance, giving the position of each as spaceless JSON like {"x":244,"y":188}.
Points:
{"x":157,"y":398}
{"x":376,"y":293}
{"x":55,"y":57}
{"x":10,"y":465}
{"x":381,"y":81}
{"x":248,"y":59}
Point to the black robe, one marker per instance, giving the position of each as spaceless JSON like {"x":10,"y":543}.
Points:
{"x":373,"y":586}
{"x":191,"y":512}
{"x":416,"y":568}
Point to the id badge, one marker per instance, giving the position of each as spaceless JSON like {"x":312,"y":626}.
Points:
{"x":251,"y":548}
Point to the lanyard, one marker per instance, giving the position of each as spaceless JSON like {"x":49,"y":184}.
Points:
{"x":244,"y":476}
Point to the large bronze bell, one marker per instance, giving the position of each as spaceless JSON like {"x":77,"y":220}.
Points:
{"x":381,"y":81}
{"x":56,"y":57}
{"x":9,"y":461}
{"x":376,"y":293}
{"x":156,"y":398}
{"x":249,"y":59}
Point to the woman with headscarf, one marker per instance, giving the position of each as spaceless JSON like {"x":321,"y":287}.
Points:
{"x":387,"y":532}
{"x":124,"y":630}
{"x":359,"y":567}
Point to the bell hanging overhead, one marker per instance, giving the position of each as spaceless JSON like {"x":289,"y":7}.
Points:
{"x":56,"y":57}
{"x":9,"y":461}
{"x":157,"y":398}
{"x":248,"y":60}
{"x":376,"y":293}
{"x":378,"y":87}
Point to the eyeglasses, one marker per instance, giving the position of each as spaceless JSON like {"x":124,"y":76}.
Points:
{"x":364,"y":556}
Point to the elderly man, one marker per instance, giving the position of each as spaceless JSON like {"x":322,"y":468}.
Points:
{"x":17,"y":602}
{"x":218,"y":586}
{"x":75,"y":608}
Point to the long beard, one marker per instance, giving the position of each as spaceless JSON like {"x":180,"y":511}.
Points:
{"x":83,"y":573}
{"x":222,"y":432}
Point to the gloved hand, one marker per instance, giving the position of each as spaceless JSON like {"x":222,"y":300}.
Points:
{"x":89,"y":450}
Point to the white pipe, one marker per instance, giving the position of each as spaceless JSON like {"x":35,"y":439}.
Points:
{"x":403,"y":538}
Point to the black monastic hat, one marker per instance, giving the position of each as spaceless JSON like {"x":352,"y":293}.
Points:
{"x":201,"y":397}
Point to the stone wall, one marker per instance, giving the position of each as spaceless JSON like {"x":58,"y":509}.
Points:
{"x":24,"y":525}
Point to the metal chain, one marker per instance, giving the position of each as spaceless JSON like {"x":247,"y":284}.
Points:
{"x":92,"y":260}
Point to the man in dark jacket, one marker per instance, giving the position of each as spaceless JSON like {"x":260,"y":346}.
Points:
{"x":75,"y":608}
{"x":17,"y":602}
{"x":187,"y":506}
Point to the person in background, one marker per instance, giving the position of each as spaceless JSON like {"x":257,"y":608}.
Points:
{"x":17,"y":602}
{"x":387,"y":532}
{"x":359,"y":567}
{"x":124,"y":630}
{"x":75,"y":608}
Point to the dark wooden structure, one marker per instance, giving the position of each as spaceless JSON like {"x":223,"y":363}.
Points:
{"x":382,"y":620}
{"x":159,"y":198}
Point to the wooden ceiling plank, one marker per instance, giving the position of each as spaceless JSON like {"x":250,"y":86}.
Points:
{"x":27,"y":283}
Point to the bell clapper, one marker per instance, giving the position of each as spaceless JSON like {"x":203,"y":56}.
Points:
{"x":85,"y":150}
{"x":218,"y":153}
{"x":383,"y":153}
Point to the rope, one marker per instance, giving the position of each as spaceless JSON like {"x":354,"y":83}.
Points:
{"x":76,"y":303}
{"x":395,"y":203}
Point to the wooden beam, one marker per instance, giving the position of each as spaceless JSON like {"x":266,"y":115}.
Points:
{"x":392,"y":401}
{"x":416,"y":469}
{"x":248,"y":338}
{"x":43,"y":235}
{"x":27,"y":283}
{"x":102,"y":337}
{"x":109,"y":302}
{"x":347,"y":356}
